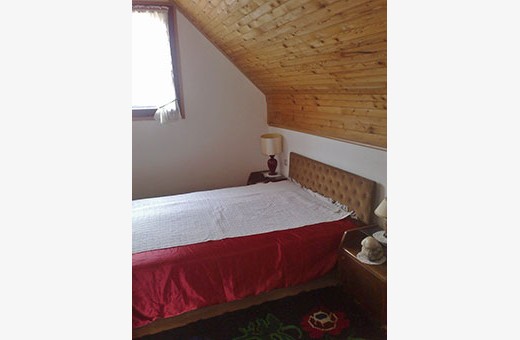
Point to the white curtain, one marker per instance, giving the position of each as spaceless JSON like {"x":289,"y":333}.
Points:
{"x":152,"y":70}
{"x":167,"y":113}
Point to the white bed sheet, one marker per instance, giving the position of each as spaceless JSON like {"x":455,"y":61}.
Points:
{"x":197,"y":217}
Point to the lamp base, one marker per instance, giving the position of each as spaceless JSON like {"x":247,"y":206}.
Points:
{"x":272,"y":163}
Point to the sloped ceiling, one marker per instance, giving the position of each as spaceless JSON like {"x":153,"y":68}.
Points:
{"x":320,"y":63}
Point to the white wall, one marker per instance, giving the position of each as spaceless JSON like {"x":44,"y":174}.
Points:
{"x":360,"y":160}
{"x":217,"y":145}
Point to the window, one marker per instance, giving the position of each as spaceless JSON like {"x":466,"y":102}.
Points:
{"x":155,"y":83}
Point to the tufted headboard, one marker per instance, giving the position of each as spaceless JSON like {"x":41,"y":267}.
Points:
{"x":354,"y":191}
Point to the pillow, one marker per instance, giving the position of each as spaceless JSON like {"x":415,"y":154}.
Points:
{"x":340,"y":205}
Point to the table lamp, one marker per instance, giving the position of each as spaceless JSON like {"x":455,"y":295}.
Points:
{"x":271,"y":145}
{"x":381,"y":212}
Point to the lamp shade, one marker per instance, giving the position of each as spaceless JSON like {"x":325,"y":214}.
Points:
{"x":381,"y":209}
{"x":271,"y":144}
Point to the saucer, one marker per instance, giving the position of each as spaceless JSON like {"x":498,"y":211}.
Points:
{"x":363,"y":258}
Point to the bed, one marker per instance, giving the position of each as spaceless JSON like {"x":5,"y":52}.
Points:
{"x":207,"y":266}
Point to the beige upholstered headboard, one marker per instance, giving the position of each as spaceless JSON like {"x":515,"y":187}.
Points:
{"x":354,"y":191}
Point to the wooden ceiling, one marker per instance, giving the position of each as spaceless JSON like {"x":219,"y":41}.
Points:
{"x":320,"y":63}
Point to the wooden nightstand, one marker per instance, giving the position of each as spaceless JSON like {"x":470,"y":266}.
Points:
{"x":260,"y":177}
{"x":365,"y":283}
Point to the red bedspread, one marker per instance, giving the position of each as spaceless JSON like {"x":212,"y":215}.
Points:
{"x":169,"y":282}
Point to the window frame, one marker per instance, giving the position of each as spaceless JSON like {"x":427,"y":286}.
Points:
{"x":147,"y":113}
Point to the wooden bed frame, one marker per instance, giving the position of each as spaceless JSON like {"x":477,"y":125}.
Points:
{"x":354,"y":191}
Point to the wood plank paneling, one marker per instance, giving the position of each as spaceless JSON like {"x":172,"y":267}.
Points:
{"x":320,"y":63}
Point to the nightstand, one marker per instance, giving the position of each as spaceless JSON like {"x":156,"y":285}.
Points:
{"x":261,"y":177}
{"x":364,"y":283}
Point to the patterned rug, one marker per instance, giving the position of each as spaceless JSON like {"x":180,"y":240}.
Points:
{"x":320,"y":314}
